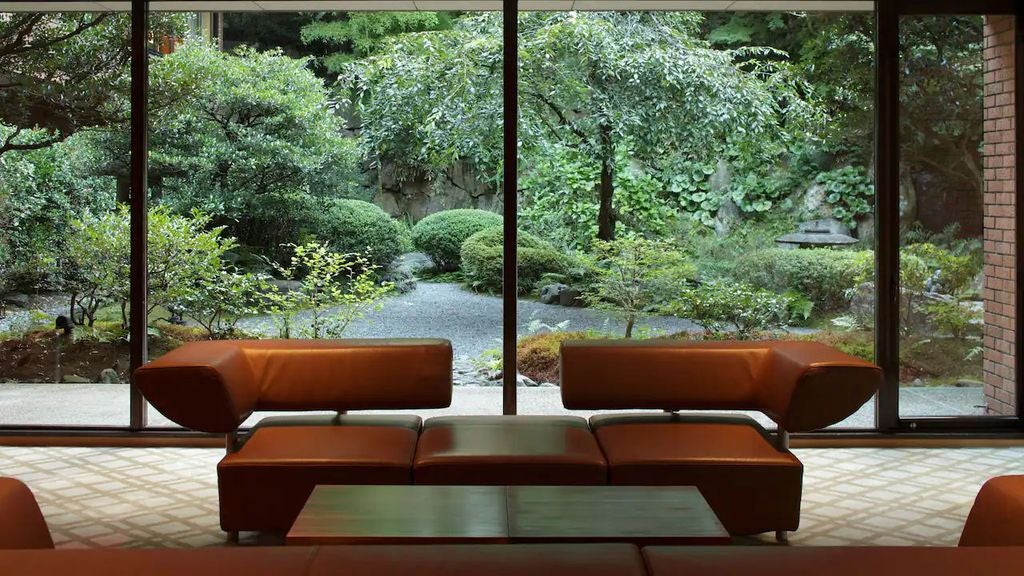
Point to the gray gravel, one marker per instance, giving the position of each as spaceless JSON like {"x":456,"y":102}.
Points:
{"x":473,"y":321}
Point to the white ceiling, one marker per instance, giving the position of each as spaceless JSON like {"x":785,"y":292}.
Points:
{"x":331,"y":5}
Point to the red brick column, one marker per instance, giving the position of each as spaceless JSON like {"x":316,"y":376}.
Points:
{"x":999,"y":192}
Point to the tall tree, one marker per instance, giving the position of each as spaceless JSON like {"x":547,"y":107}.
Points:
{"x":594,"y":81}
{"x":64,"y":72}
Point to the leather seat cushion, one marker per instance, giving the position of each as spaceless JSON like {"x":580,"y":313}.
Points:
{"x":473,"y":560}
{"x":412,"y":422}
{"x":508,"y":450}
{"x":264,"y":485}
{"x":751,"y":486}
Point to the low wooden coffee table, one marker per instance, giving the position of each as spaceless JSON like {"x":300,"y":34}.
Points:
{"x":494,"y":514}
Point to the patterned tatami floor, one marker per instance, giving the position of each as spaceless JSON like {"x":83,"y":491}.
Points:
{"x":168,"y":496}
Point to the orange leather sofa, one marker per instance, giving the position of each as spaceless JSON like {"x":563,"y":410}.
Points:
{"x":748,"y":475}
{"x":997,"y":517}
{"x":22,"y":525}
{"x":19,"y":512}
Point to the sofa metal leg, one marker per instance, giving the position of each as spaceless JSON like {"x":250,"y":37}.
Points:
{"x":233,"y":536}
{"x":782,"y":537}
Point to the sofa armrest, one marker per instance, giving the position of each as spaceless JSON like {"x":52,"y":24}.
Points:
{"x":22,"y":525}
{"x":809,"y":386}
{"x":997,"y":517}
{"x":205,"y":386}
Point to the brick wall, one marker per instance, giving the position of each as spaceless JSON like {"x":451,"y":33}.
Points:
{"x":999,"y":233}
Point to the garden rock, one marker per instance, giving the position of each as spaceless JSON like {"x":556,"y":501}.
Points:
{"x":109,"y":376}
{"x":571,"y":297}
{"x":403,"y":278}
{"x":814,"y":201}
{"x":16,"y":299}
{"x":286,"y":285}
{"x":75,"y":379}
{"x":550,"y":293}
{"x":866,"y":227}
{"x":525,"y":381}
{"x":727,"y":217}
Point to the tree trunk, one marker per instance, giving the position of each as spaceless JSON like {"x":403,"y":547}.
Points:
{"x":606,"y":212}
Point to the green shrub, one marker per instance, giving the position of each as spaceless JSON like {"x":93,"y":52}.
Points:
{"x":482,"y":260}
{"x":821,"y":274}
{"x":719,"y":307}
{"x":634,"y":276}
{"x":355,"y":226}
{"x":441,"y":235}
{"x":538,"y":354}
{"x":955,"y":272}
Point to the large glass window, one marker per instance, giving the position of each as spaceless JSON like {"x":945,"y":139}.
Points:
{"x":64,"y":116}
{"x":957,"y":204}
{"x":317,"y":175}
{"x":694,"y":176}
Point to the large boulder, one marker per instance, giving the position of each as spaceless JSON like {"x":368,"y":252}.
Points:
{"x":549,"y":294}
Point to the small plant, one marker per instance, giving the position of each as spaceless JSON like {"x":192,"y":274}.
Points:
{"x":334,"y":289}
{"x":952,"y":317}
{"x":721,"y":307}
{"x":219,"y":303}
{"x":850,"y":192}
{"x":633,"y":276}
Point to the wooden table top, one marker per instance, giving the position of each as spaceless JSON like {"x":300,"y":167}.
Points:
{"x":403,"y":514}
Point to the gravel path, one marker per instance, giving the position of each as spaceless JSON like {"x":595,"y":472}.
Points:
{"x":472,"y":321}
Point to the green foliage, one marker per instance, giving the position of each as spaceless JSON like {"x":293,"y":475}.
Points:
{"x":99,"y":256}
{"x":821,"y":274}
{"x":538,"y":355}
{"x":955,"y":272}
{"x":442,"y":234}
{"x":334,"y":290}
{"x":851,"y":193}
{"x":359,"y":34}
{"x":64,"y":72}
{"x":719,"y":307}
{"x":219,"y":302}
{"x":953,"y":317}
{"x":183,"y":256}
{"x":482,"y":260}
{"x":631,"y":91}
{"x":635,"y":276}
{"x":238,"y":145}
{"x":41,"y":191}
{"x":351,"y":226}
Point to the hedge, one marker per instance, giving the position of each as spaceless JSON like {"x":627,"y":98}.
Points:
{"x":358,"y":226}
{"x":482,"y":260}
{"x":441,"y":235}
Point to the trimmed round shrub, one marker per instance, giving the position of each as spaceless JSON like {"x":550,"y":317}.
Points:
{"x":823,"y":275}
{"x":358,"y":226}
{"x":441,"y":235}
{"x":482,"y":257}
{"x":538,"y":354}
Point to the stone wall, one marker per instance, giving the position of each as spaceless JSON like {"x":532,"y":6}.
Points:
{"x":412,"y":199}
{"x":999,"y":225}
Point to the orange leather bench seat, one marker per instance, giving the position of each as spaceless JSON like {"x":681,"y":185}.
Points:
{"x":508,"y":450}
{"x":752,"y":486}
{"x":22,"y":525}
{"x":815,"y":561}
{"x":517,"y":560}
{"x":264,"y":485}
{"x":997,"y":517}
{"x":490,"y":560}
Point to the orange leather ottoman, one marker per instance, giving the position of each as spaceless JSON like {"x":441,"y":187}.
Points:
{"x":997,"y":517}
{"x":508,"y":450}
{"x":752,"y":486}
{"x":264,"y":485}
